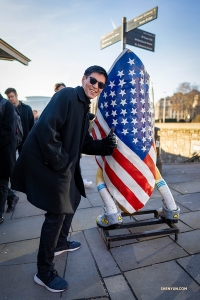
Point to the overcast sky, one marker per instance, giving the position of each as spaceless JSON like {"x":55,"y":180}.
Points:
{"x":62,"y":38}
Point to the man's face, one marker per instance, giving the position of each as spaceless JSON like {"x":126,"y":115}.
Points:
{"x":92,"y":90}
{"x":13,"y":98}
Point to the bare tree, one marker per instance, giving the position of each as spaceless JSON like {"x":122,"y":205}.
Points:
{"x":182,"y":102}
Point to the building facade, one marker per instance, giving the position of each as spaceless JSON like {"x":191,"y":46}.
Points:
{"x":37,"y":102}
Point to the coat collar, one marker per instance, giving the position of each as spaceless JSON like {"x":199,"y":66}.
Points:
{"x":82,"y":95}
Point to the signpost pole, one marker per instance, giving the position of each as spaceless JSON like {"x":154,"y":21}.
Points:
{"x":123,"y":30}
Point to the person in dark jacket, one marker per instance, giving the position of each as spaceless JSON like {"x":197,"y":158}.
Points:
{"x":7,"y":149}
{"x":48,"y":169}
{"x":25,"y":112}
{"x":27,"y":121}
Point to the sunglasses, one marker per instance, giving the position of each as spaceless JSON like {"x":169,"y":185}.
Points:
{"x":93,"y":81}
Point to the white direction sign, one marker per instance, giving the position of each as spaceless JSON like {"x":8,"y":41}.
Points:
{"x":146,"y":17}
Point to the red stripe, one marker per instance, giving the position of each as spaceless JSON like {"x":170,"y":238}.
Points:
{"x":133,"y":171}
{"x":122,"y":188}
{"x":150,"y":163}
{"x":94,"y":134}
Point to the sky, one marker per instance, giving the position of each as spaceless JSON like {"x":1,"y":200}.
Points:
{"x":62,"y":39}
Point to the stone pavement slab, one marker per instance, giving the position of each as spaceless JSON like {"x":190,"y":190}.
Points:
{"x":7,"y":216}
{"x":191,"y":201}
{"x":181,"y":177}
{"x":186,"y":187}
{"x":147,"y":253}
{"x":26,"y":209}
{"x":192,"y":219}
{"x":21,"y":229}
{"x":118,"y":288}
{"x":84,"y":203}
{"x":191,"y":266}
{"x":189,"y":241}
{"x":22,"y":252}
{"x":105,"y":262}
{"x":95,"y":199}
{"x":188,"y":168}
{"x":18,"y":284}
{"x":86,"y":218}
{"x":22,"y":197}
{"x":1,"y":247}
{"x":81,"y":273}
{"x":148,"y":282}
{"x":92,"y":188}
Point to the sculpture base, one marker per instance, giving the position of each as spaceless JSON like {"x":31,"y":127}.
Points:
{"x":156,"y":232}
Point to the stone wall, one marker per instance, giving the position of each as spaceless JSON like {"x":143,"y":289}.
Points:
{"x":178,"y":141}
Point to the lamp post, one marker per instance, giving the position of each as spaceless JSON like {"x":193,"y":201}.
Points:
{"x":164,"y":105}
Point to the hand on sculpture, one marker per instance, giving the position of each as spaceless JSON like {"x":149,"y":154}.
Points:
{"x":112,"y":138}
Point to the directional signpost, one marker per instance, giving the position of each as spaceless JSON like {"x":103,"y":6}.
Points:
{"x":140,"y":38}
{"x":129,"y":33}
{"x":110,"y":38}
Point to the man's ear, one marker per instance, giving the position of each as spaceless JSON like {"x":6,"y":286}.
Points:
{"x":83,"y":79}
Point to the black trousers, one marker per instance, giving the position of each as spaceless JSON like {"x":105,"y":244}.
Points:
{"x":3,"y":194}
{"x":54,"y":234}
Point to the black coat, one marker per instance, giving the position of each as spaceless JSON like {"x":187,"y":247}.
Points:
{"x":7,"y":138}
{"x":27,"y":119}
{"x":48,"y":168}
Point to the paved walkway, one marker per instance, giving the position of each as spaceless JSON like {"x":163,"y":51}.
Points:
{"x":134,"y":269}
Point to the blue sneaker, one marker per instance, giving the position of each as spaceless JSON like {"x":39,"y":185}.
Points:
{"x":68,"y":247}
{"x":51,"y":281}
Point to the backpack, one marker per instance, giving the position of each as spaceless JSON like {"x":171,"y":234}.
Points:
{"x":18,"y":122}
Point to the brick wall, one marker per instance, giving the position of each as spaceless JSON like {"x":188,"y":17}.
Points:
{"x":178,"y":141}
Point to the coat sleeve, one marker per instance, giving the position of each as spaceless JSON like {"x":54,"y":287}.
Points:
{"x":96,"y":147}
{"x":47,"y":131}
{"x":8,"y":125}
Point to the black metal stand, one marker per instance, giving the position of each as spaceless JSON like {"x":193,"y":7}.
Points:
{"x":172,"y":228}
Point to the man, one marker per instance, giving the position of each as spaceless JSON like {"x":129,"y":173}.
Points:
{"x":27,"y":121}
{"x":35,"y":115}
{"x":25,"y":112}
{"x":57,"y":87}
{"x":7,"y":149}
{"x":48,"y":169}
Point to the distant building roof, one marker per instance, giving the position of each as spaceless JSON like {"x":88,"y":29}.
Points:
{"x":7,"y":52}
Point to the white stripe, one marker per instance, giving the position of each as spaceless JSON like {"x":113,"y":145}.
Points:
{"x":97,"y":132}
{"x":152,"y":153}
{"x":100,"y":161}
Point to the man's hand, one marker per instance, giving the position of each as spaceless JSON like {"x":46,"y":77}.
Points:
{"x":112,"y":139}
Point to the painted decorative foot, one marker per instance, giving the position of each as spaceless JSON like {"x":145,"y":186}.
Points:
{"x":172,"y":215}
{"x":109,"y":221}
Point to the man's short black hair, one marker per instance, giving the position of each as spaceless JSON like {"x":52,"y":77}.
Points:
{"x":96,"y":69}
{"x":10,"y":90}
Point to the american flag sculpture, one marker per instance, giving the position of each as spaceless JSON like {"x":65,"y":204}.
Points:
{"x":126,"y":103}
